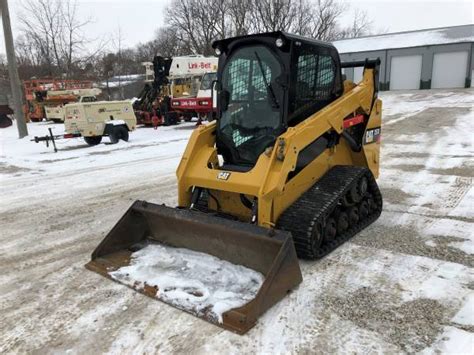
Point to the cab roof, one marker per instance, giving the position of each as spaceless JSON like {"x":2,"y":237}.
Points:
{"x":289,"y":37}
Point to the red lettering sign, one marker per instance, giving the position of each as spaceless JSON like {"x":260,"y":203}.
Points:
{"x":201,"y":65}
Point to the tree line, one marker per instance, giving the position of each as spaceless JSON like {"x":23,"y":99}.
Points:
{"x":53,"y":41}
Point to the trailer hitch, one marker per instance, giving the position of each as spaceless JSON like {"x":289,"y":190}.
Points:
{"x":47,"y":139}
{"x":53,"y":138}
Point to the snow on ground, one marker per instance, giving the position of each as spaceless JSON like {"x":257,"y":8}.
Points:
{"x":452,"y":341}
{"x":404,"y":284}
{"x":465,"y":316}
{"x":79,"y":168}
{"x":196,"y":282}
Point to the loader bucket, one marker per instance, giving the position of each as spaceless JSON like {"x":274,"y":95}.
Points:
{"x":258,"y":265}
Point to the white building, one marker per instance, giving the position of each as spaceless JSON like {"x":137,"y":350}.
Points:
{"x":424,"y":59}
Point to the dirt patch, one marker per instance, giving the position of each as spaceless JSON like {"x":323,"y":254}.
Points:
{"x":408,"y":167}
{"x":460,"y":187}
{"x":395,"y":196}
{"x":405,"y":240}
{"x":412,"y":326}
{"x":186,"y":127}
{"x":410,"y":155}
{"x":105,"y":152}
{"x":404,"y":142}
{"x":75,"y":147}
{"x":464,"y":171}
{"x":12,"y":169}
{"x":433,"y":117}
{"x":49,"y":161}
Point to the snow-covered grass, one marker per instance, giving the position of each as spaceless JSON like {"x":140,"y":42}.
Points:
{"x":196,"y":282}
{"x":404,"y":284}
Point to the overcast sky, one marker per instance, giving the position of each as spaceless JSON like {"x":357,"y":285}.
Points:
{"x":138,"y":19}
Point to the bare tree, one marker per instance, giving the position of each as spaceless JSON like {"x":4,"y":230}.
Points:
{"x":53,"y":34}
{"x":117,"y":42}
{"x":52,"y":40}
{"x":361,"y":25}
{"x":274,"y":15}
{"x":198,"y":22}
{"x":107,"y":65}
{"x":325,"y":15}
{"x":168,"y":43}
{"x":240,"y":14}
{"x":72,"y":39}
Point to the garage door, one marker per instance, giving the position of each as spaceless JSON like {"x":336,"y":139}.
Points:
{"x":449,"y":70}
{"x":405,"y":72}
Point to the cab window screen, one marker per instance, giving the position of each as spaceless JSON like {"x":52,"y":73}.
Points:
{"x":314,"y":77}
{"x":250,"y":122}
{"x":314,"y":84}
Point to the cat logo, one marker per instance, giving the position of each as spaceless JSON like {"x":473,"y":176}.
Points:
{"x":223,"y":175}
{"x":372,"y":136}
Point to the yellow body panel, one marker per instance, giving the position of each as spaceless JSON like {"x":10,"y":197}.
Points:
{"x":268,"y":179}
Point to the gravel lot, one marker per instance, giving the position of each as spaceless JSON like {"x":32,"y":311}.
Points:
{"x":405,"y":284}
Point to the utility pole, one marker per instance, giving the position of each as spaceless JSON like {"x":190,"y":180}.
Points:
{"x":13,"y":71}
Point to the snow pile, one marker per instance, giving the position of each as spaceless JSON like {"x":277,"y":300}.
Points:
{"x":195,"y":282}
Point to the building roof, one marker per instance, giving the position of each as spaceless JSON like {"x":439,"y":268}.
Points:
{"x":433,"y":36}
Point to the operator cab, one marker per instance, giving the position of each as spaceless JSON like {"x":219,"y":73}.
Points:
{"x":267,"y":83}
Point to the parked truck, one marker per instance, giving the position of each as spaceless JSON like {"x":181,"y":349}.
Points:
{"x":42,"y":93}
{"x":177,"y":77}
{"x":202,"y":105}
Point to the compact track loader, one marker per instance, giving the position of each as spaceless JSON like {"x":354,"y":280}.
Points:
{"x":287,"y":170}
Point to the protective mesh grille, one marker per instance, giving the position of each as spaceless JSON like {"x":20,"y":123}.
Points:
{"x":257,"y":77}
{"x":315,"y":76}
{"x":307,"y":66}
{"x":238,"y":138}
{"x":239,"y":69}
{"x":324,"y":78}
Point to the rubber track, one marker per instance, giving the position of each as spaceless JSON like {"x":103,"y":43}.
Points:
{"x":319,"y":202}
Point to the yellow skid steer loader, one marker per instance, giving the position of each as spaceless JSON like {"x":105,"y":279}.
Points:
{"x":287,"y":170}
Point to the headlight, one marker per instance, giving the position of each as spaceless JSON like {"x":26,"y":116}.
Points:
{"x":175,"y":103}
{"x":203,"y":103}
{"x":279,"y":42}
{"x":218,"y":51}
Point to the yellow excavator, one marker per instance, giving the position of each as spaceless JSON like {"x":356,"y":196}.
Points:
{"x":287,"y":170}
